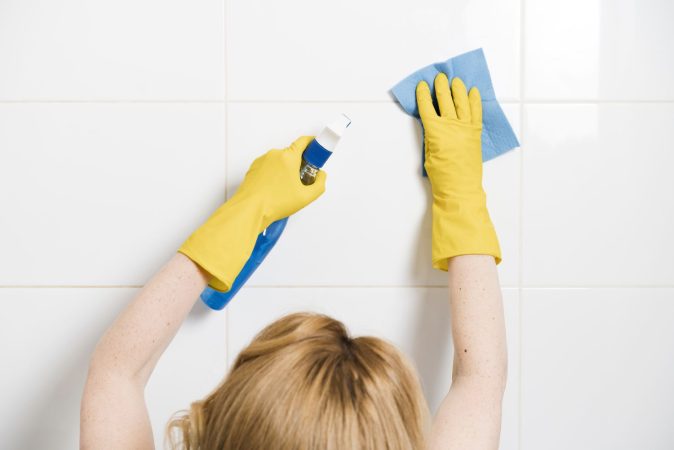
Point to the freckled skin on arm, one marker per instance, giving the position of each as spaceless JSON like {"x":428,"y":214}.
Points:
{"x":113,"y":414}
{"x":469,"y":417}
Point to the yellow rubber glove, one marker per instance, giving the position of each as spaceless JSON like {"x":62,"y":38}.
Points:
{"x":461,"y":222}
{"x":271,"y":190}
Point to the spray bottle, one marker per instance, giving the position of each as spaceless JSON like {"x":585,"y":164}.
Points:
{"x":314,"y":157}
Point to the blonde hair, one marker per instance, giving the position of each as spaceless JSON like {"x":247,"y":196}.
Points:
{"x":303,"y":384}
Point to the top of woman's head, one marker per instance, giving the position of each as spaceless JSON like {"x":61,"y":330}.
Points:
{"x":303,"y":383}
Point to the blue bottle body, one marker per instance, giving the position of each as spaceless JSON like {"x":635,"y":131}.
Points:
{"x":316,"y":155}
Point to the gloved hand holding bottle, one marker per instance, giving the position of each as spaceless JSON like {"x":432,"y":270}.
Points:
{"x":453,"y":161}
{"x":271,"y":190}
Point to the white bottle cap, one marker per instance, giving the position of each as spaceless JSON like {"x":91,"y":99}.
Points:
{"x":332,"y":133}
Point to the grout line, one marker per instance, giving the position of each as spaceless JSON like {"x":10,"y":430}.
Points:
{"x":550,"y":101}
{"x":274,"y":286}
{"x":226,"y":28}
{"x":599,"y":286}
{"x":520,"y":365}
{"x":368,"y":101}
{"x":71,"y":286}
{"x":313,"y":101}
{"x":520,"y":276}
{"x":440,"y":286}
{"x":226,"y":150}
{"x":226,"y":81}
{"x":592,"y":102}
{"x":327,"y":286}
{"x":225,"y":100}
{"x":366,"y":286}
{"x":109,"y":101}
{"x":520,"y":262}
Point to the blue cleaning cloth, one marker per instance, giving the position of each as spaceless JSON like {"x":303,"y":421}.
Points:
{"x":497,"y":134}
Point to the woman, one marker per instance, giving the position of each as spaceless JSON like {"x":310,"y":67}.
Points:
{"x":303,"y":383}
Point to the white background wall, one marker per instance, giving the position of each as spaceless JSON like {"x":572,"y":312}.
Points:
{"x":124,"y":124}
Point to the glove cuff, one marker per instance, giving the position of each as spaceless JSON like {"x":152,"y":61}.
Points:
{"x":223,"y":244}
{"x":462,"y":228}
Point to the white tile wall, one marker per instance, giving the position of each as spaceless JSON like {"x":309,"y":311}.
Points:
{"x":122,"y":50}
{"x":597,"y":367}
{"x":354,"y":50}
{"x":47,"y":338}
{"x":598,"y":195}
{"x":599,"y":50}
{"x":123,"y":125}
{"x":102,"y":194}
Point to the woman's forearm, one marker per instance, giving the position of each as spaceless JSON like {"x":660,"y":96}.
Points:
{"x":478,"y":324}
{"x":469,"y":417}
{"x":133,"y":344}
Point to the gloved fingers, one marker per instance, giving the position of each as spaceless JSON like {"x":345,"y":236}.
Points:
{"x":444,"y":96}
{"x":424,"y":101}
{"x":475,"y":106}
{"x":299,"y":145}
{"x":460,"y":97}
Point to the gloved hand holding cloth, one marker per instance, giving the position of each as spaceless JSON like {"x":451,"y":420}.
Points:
{"x":271,"y":190}
{"x":453,"y":161}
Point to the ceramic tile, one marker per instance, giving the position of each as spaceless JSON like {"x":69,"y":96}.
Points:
{"x":306,"y":50}
{"x":599,"y":50}
{"x":597,"y":195}
{"x":104,"y":194}
{"x":596,"y":369}
{"x":82,"y":50}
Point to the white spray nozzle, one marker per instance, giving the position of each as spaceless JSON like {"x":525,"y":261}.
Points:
{"x":329,"y":137}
